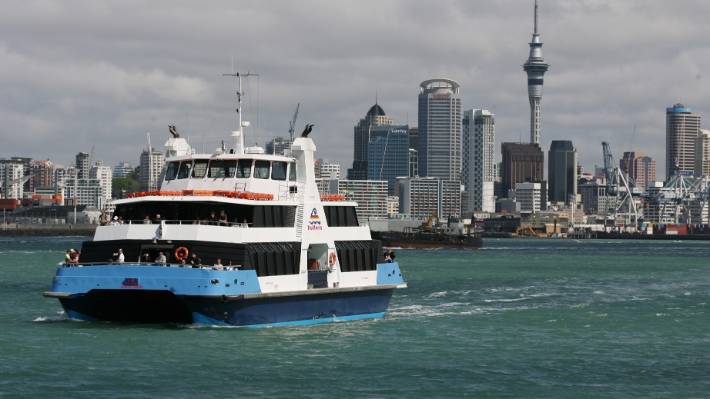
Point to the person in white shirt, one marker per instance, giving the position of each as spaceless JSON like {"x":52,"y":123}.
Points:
{"x":161,"y":259}
{"x":218,"y":265}
{"x":120,"y":258}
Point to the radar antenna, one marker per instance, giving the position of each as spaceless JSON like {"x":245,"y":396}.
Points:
{"x":239,"y":134}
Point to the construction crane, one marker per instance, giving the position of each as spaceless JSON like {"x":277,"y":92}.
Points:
{"x":292,"y":124}
{"x":9,"y":183}
{"x":617,"y":186}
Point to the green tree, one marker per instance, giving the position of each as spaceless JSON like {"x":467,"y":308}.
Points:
{"x":123,"y":186}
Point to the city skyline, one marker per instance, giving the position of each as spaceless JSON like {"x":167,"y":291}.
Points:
{"x":134,"y":75}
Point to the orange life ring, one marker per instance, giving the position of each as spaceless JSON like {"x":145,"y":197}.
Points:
{"x":332,"y":259}
{"x":181,"y":253}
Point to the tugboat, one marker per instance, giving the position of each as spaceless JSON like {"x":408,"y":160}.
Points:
{"x":236,"y":238}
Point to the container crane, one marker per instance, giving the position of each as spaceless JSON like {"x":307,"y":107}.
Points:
{"x":617,"y":185}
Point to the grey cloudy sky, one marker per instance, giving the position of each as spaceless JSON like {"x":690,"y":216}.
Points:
{"x":81,"y":73}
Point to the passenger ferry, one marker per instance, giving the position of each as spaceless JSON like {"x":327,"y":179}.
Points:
{"x":237,"y":238}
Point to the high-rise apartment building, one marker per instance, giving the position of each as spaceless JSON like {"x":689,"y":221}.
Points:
{"x":104,"y":175}
{"x":361,"y":136}
{"x":12,"y":173}
{"x":151,"y":168}
{"x":535,"y":68}
{"x":388,"y":154}
{"x":562,"y":171}
{"x":682,"y":127}
{"x":702,"y":153}
{"x":528,"y":196}
{"x":440,"y":129}
{"x":42,"y":174}
{"x":478,"y":172}
{"x":84,"y":192}
{"x":521,"y":163}
{"x":122,"y":170}
{"x":643,"y":172}
{"x":325,"y":169}
{"x":82,"y":164}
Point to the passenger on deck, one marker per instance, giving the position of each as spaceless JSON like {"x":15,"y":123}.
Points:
{"x":146,"y":257}
{"x":161,"y":259}
{"x":223,"y":220}
{"x":218,"y":265}
{"x":388,"y":258}
{"x":120,"y":257}
{"x":67,"y":256}
{"x":120,"y":220}
{"x":146,"y":220}
{"x":213,"y":218}
{"x":114,"y":221}
{"x":392,"y":256}
{"x":194,"y":260}
{"x":157,"y":218}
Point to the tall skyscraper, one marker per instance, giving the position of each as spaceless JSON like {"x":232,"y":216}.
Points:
{"x":82,"y":165}
{"x":521,"y":163}
{"x":388,"y":154}
{"x":643,"y":172}
{"x":12,"y":173}
{"x":478,"y":172}
{"x":535,"y":67}
{"x":702,"y":153}
{"x":122,"y":170}
{"x":682,"y":127}
{"x":104,"y":175}
{"x":151,"y":167}
{"x":361,"y":135}
{"x":440,"y":129}
{"x":562,"y":171}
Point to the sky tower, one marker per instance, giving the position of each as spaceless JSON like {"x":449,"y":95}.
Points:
{"x":535,"y":67}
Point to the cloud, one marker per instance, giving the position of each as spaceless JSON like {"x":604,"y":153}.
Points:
{"x":105,"y":73}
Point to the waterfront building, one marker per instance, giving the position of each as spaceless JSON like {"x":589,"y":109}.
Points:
{"x":325,"y":169}
{"x":682,"y":127}
{"x":361,"y":136}
{"x":388,"y":154}
{"x":151,"y":168}
{"x":104,"y":175}
{"x":528,"y":196}
{"x":60,"y":174}
{"x":643,"y":172}
{"x":702,"y":153}
{"x":522,"y":162}
{"x":82,"y":163}
{"x":12,"y":173}
{"x":423,"y":197}
{"x":27,"y":172}
{"x":327,"y":186}
{"x":440,"y":129}
{"x":278,"y":145}
{"x":478,"y":172}
{"x":535,"y":68}
{"x":370,"y":195}
{"x":562,"y":171}
{"x":86,"y":192}
{"x":595,"y":198}
{"x":122,"y":170}
{"x":42,"y":172}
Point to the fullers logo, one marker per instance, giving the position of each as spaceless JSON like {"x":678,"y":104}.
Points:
{"x":314,"y":221}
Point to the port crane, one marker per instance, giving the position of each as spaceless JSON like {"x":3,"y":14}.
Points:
{"x":618,"y":187}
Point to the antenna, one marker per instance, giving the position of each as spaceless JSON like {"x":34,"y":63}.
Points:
{"x":535,"y":26}
{"x":239,"y":134}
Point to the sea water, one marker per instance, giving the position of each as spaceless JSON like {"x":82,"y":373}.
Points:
{"x":518,"y":318}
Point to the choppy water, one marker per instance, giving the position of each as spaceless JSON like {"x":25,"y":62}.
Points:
{"x":520,"y":318}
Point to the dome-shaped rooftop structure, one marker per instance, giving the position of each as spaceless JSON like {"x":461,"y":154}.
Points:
{"x":376,"y":110}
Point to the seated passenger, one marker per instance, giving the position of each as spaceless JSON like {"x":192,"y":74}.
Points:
{"x":194,"y":260}
{"x":161,"y":259}
{"x":157,"y":218}
{"x":392,"y":256}
{"x":213,"y":218}
{"x":218,"y":265}
{"x":223,"y":220}
{"x":67,"y":256}
{"x":388,"y":259}
{"x":114,"y":221}
{"x":146,"y":257}
{"x":146,"y":220}
{"x":120,"y":257}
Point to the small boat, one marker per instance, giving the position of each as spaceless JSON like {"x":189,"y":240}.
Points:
{"x":235,"y":238}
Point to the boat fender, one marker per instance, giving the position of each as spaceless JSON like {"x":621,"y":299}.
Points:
{"x":181,"y":253}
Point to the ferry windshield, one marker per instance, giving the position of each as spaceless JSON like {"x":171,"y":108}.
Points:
{"x":200,"y":168}
{"x":261,"y":169}
{"x":222,"y":169}
{"x":185,"y":169}
{"x":244,"y":168}
{"x":171,"y":172}
{"x":278,"y":171}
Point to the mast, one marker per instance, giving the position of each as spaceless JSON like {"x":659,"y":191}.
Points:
{"x":239,"y":133}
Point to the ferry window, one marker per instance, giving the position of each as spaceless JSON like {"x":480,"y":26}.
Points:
{"x":261,"y":169}
{"x":221,"y":169}
{"x":185,"y":169}
{"x":200,"y":168}
{"x":244,"y":168}
{"x":292,"y":171}
{"x":171,"y":172}
{"x":278,"y":171}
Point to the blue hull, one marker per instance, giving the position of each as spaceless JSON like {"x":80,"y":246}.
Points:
{"x":163,"y":307}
